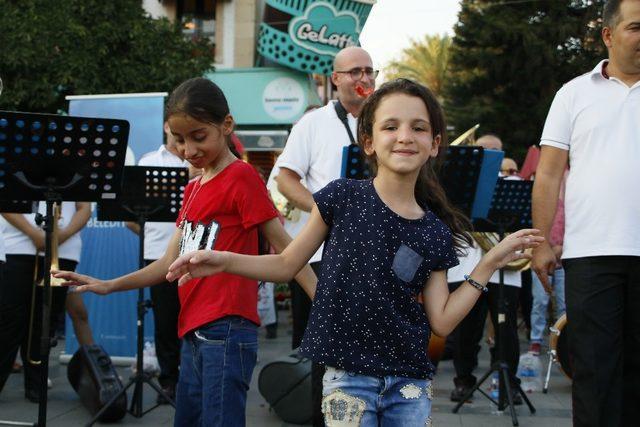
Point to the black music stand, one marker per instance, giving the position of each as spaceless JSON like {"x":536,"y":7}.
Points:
{"x":510,"y":211}
{"x":354,"y":163}
{"x":152,"y":194}
{"x":459,"y":176}
{"x":53,"y":158}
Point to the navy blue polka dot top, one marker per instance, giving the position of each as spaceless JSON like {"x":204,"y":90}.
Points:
{"x":365,"y":318}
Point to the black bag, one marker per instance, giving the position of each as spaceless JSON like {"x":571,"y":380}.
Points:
{"x":96,"y":381}
{"x":286,"y":386}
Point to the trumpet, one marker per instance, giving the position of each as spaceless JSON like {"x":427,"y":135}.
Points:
{"x":55,"y":282}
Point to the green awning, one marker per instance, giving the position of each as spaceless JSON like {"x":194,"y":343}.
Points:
{"x":266,"y":96}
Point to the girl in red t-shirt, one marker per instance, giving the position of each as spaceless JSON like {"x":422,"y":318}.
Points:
{"x":224,"y":208}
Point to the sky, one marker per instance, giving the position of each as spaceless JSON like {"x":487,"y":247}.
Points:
{"x":393,"y":23}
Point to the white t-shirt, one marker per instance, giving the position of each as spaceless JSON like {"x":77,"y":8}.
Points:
{"x":18,"y":243}
{"x":158,"y":234}
{"x":598,"y":121}
{"x":469,"y":262}
{"x":314,"y":149}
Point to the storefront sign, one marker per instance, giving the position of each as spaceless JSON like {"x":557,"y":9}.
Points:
{"x":322,"y":29}
{"x":306,"y":35}
{"x":283,"y":98}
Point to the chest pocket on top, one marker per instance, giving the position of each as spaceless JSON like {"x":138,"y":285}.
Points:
{"x":406,"y":263}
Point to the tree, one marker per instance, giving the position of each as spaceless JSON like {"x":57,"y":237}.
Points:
{"x":51,"y":49}
{"x":424,"y":61}
{"x":508,"y":58}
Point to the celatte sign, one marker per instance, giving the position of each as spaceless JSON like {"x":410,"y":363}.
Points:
{"x":322,"y":29}
{"x":306,"y":35}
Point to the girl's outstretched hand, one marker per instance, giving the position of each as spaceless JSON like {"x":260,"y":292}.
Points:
{"x":512,"y":247}
{"x":83,"y":283}
{"x":196,"y":264}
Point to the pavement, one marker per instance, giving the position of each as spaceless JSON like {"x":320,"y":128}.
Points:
{"x":64,"y":407}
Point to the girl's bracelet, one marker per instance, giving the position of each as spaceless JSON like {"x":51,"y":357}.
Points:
{"x":475,"y":284}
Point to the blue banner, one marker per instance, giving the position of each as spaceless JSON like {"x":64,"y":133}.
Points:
{"x":109,"y":249}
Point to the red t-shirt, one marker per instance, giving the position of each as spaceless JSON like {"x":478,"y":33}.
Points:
{"x":236,"y":202}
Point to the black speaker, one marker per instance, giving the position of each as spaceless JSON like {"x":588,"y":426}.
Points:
{"x":286,"y":386}
{"x":93,"y":377}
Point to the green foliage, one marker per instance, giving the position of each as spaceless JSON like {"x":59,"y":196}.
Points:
{"x":54,"y":48}
{"x":509,"y":58}
{"x":425,"y":61}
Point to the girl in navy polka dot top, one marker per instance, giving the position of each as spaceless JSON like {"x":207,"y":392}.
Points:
{"x":388,"y":243}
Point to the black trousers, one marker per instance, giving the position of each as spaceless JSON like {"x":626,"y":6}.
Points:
{"x":300,"y":308}
{"x":15,"y":308}
{"x":603,"y":322}
{"x":468,"y":333}
{"x":166,"y":307}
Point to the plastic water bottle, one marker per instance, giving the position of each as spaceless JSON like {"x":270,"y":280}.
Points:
{"x":494,"y":391}
{"x":530,"y":371}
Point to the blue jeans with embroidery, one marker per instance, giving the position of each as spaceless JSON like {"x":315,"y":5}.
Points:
{"x":541,"y":301}
{"x":216,"y":364}
{"x":358,"y":400}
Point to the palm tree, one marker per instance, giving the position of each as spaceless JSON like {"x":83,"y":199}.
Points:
{"x":425,"y":61}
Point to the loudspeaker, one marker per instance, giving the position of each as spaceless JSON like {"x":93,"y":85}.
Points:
{"x":286,"y":386}
{"x":96,"y":381}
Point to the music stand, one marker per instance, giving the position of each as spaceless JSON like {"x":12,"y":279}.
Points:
{"x":153,"y":194}
{"x":354,"y":163}
{"x":53,"y":158}
{"x":510,"y":211}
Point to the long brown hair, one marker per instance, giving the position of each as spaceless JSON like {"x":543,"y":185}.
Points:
{"x":428,"y":191}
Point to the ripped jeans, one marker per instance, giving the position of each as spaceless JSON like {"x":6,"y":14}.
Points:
{"x":358,"y":400}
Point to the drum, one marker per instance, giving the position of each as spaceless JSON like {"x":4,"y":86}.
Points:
{"x":559,"y":343}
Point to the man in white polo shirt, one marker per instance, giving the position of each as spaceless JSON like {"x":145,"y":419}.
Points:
{"x":166,"y":304}
{"x":594,"y":124}
{"x":314,"y":153}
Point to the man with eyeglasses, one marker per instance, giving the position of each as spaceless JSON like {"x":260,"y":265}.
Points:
{"x":314,"y":153}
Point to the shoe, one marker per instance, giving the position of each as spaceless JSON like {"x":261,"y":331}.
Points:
{"x":32,"y":395}
{"x":461,"y":390}
{"x":49,"y":383}
{"x":169,"y":391}
{"x":535,"y":348}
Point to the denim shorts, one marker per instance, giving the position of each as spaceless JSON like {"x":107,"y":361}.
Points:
{"x":351,"y":399}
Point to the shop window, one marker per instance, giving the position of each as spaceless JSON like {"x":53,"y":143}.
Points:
{"x":198,"y":18}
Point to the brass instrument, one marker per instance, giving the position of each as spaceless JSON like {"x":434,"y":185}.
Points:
{"x":467,"y":138}
{"x":487,"y":241}
{"x":54,"y":281}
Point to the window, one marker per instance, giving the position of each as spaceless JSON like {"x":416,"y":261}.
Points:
{"x":198,"y":18}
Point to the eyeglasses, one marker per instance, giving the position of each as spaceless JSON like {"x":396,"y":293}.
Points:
{"x":358,"y":73}
{"x":510,"y":171}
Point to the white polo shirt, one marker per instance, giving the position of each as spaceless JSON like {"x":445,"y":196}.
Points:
{"x":598,"y":121}
{"x":18,"y":243}
{"x":314,"y":149}
{"x":158,"y":234}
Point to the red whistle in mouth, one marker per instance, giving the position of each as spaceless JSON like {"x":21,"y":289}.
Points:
{"x":363,"y":92}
